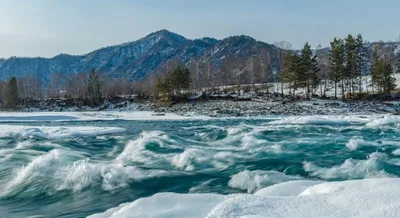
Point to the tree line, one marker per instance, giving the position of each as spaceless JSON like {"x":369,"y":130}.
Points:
{"x":351,"y":67}
{"x":81,"y":88}
{"x":344,"y":67}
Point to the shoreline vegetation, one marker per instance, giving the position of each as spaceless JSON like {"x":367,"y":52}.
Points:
{"x":304,"y":82}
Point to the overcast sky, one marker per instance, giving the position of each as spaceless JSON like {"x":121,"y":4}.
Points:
{"x":49,"y":27}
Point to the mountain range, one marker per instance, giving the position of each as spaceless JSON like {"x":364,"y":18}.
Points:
{"x":136,"y":59}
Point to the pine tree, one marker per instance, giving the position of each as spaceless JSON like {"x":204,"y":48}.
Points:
{"x":398,"y":63}
{"x":12,"y":97}
{"x":309,"y":69}
{"x":351,"y":62}
{"x":290,"y":71}
{"x":336,"y":59}
{"x":382,"y":76}
{"x":361,"y":60}
{"x":174,"y":83}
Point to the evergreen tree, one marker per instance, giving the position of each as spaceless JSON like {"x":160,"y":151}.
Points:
{"x":309,"y":69}
{"x":361,"y":60}
{"x":94,"y":88}
{"x":398,"y":63}
{"x":351,"y":62}
{"x":336,"y":59}
{"x":382,"y":76}
{"x":12,"y":96}
{"x":173,"y":84}
{"x":290,"y":71}
{"x":161,"y":90}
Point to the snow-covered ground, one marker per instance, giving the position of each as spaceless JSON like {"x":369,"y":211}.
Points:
{"x":295,"y":199}
{"x":366,"y":85}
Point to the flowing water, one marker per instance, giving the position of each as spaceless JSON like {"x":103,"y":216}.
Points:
{"x":76,"y":169}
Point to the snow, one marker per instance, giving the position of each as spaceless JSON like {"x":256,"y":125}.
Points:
{"x":252,"y":181}
{"x":89,"y":116}
{"x":165,"y":205}
{"x":295,"y":199}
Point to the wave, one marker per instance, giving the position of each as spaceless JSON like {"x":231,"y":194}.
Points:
{"x":396,"y":152}
{"x":357,"y":143}
{"x":55,"y":132}
{"x":350,"y":169}
{"x":189,"y":155}
{"x":53,"y":172}
{"x":368,"y":198}
{"x":136,"y":151}
{"x":384,"y":121}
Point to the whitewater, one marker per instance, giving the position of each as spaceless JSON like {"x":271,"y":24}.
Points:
{"x":121,"y":164}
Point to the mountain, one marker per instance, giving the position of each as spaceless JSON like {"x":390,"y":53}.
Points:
{"x":136,"y":59}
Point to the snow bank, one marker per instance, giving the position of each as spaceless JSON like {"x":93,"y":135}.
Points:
{"x":166,"y":205}
{"x":295,"y":199}
{"x":52,"y":132}
{"x":252,"y":181}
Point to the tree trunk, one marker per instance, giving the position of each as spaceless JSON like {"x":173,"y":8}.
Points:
{"x":343,"y":96}
{"x":335,"y":88}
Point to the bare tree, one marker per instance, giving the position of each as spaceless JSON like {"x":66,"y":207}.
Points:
{"x":3,"y":89}
{"x":56,"y":83}
{"x":75,"y":86}
{"x":196,"y":72}
{"x":284,"y":47}
{"x":265,"y":63}
{"x":235,"y":67}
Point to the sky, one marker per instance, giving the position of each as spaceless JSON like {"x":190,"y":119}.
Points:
{"x":46,"y":28}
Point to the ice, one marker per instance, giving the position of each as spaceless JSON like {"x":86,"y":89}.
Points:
{"x":252,"y":181}
{"x":323,"y":120}
{"x":294,"y":199}
{"x":55,"y":132}
{"x":166,"y":205}
{"x":291,"y":188}
{"x":89,"y":116}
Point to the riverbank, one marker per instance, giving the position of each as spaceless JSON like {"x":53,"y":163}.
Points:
{"x":232,"y":108}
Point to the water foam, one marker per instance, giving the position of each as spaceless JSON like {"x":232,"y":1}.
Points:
{"x":396,"y":152}
{"x":54,"y":171}
{"x":384,"y":121}
{"x":135,"y":151}
{"x":350,"y":169}
{"x":357,"y":143}
{"x":55,"y":132}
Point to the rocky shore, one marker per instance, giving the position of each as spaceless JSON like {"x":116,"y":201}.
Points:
{"x":222,"y":108}
{"x":260,"y":106}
